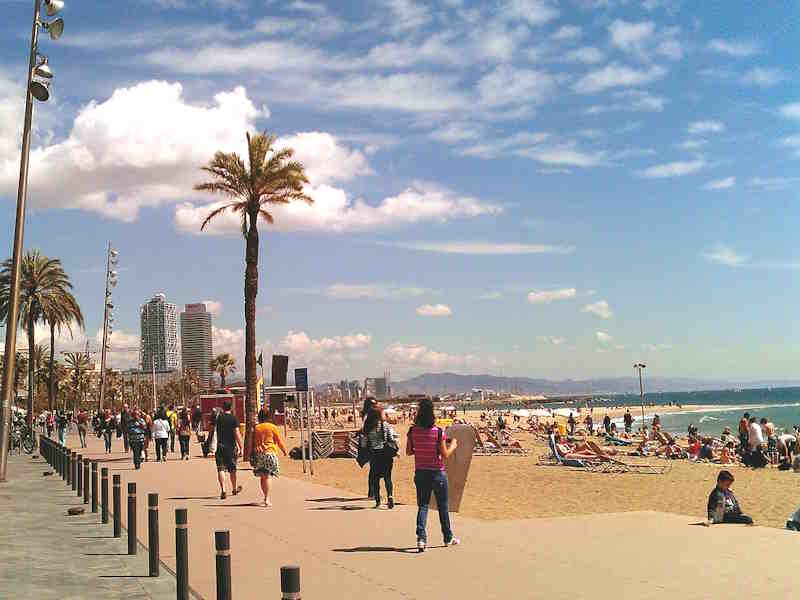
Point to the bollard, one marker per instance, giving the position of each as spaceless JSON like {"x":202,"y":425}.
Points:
{"x":104,"y":493}
{"x":74,"y":460}
{"x":222,"y":542}
{"x":86,"y":481}
{"x":290,"y":583}
{"x":80,"y":475}
{"x":61,"y":460}
{"x":68,"y":457}
{"x":132,"y":518}
{"x":152,"y":533}
{"x":182,"y":553}
{"x":94,"y":486}
{"x":117,"y":492}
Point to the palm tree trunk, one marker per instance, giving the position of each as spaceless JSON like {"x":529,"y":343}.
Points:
{"x":250,"y":293}
{"x":31,"y":365}
{"x":51,"y":391}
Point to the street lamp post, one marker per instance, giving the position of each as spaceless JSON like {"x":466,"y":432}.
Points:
{"x":108,"y":319}
{"x":39,"y":73}
{"x":640,"y":367}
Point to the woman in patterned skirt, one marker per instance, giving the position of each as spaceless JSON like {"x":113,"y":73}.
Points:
{"x":266,"y":443}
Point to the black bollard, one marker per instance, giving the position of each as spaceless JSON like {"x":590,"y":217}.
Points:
{"x":80,"y":475}
{"x":69,"y":467}
{"x":74,"y":461}
{"x":152,"y":533}
{"x":290,"y":583}
{"x":61,"y":461}
{"x":104,"y":493}
{"x":182,"y":553}
{"x":86,"y":481}
{"x":222,"y":542}
{"x":132,"y":518}
{"x":94,"y":486}
{"x":117,"y":493}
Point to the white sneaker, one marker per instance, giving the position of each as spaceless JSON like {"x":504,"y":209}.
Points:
{"x":454,"y":542}
{"x":420,"y":546}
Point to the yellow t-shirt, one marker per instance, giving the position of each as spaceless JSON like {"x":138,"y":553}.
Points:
{"x":267,"y":438}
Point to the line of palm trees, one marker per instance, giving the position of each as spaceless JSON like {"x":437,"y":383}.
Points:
{"x":45,"y":296}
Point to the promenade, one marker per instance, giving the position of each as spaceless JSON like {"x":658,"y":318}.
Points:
{"x":346,"y":549}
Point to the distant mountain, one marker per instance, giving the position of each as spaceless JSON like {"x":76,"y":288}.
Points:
{"x":452,"y":383}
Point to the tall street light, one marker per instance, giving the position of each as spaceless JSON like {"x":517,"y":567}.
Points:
{"x":108,"y":318}
{"x":640,"y":367}
{"x":38,"y":86}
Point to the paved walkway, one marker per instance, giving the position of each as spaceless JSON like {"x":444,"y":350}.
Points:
{"x":347,"y":550}
{"x":44,"y":553}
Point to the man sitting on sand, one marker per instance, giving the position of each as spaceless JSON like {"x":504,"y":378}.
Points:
{"x":722,"y":504}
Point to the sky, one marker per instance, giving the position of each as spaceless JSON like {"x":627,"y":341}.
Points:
{"x":543,"y":188}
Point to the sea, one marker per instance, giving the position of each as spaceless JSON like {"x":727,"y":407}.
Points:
{"x":723,"y":408}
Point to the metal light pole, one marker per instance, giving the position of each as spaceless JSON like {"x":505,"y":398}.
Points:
{"x":640,"y":367}
{"x":111,"y":281}
{"x":37,"y":87}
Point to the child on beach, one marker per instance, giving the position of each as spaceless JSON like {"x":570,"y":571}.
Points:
{"x":722,"y":504}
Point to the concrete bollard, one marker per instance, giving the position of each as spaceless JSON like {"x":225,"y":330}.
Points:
{"x":74,"y":456}
{"x":152,"y":533}
{"x":117,"y":493}
{"x":86,"y":481}
{"x":290,"y":583}
{"x":94,"y":486}
{"x":222,"y":542}
{"x":131,"y":518}
{"x":104,"y":493}
{"x":80,"y":475}
{"x":182,"y":553}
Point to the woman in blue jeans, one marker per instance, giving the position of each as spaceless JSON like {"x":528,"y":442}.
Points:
{"x":426,"y":443}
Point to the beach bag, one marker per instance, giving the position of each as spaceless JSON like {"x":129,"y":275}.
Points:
{"x":390,"y":447}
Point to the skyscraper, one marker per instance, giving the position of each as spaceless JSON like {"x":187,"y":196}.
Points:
{"x":159,"y":339}
{"x":196,"y":348}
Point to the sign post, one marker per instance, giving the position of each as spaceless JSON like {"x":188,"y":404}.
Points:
{"x":301,"y":385}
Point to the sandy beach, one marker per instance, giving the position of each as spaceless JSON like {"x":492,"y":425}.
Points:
{"x":515,"y":487}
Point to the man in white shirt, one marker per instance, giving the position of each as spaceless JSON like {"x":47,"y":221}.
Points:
{"x":755,"y":435}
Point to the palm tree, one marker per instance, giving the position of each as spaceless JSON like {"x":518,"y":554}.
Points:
{"x":223,"y":365}
{"x":40,"y":277}
{"x":60,"y":310}
{"x":38,"y":358}
{"x":270,"y":177}
{"x":78,"y":362}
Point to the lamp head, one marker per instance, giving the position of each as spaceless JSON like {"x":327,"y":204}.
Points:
{"x":43,"y":69}
{"x":39,"y":90}
{"x":55,"y":28}
{"x":53,"y":7}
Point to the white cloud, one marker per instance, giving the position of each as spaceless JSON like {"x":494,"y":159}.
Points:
{"x":312,"y":8}
{"x":488,"y":248}
{"x":703,"y":127}
{"x":373,"y":290}
{"x":333,"y":211}
{"x":568,"y":32}
{"x":229,"y":341}
{"x":507,"y":85}
{"x":617,"y":75}
{"x":214,"y":307}
{"x":598,"y":309}
{"x":721,"y":184}
{"x":550,"y":296}
{"x":496,"y":147}
{"x":725,"y":255}
{"x":602,"y":337}
{"x":737,"y":49}
{"x":456,"y":132}
{"x":491,"y":296}
{"x":692,"y":144}
{"x":672,"y":169}
{"x":407,"y":14}
{"x":633,"y":100}
{"x":535,"y":12}
{"x":419,"y":356}
{"x":434,"y":310}
{"x":774,"y":184}
{"x":763,"y":77}
{"x":324,"y":158}
{"x":791,"y":110}
{"x":552,"y":339}
{"x":299,"y":342}
{"x":630,"y":36}
{"x":564,"y":154}
{"x":588,"y":55}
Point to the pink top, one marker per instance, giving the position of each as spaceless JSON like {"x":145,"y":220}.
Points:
{"x":427,"y":456}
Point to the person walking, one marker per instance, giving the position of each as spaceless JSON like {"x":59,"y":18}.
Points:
{"x":107,"y":427}
{"x":136,"y":436}
{"x":380,"y":441}
{"x":83,"y":426}
{"x":51,"y":424}
{"x":161,"y":433}
{"x":229,"y":445}
{"x":62,"y":423}
{"x":197,"y":418}
{"x":628,"y":420}
{"x":172,"y":417}
{"x":266,"y":443}
{"x":123,"y":421}
{"x":427,"y":445}
{"x":184,"y":433}
{"x":148,"y":434}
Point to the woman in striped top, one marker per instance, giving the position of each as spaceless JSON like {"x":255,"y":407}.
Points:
{"x":427,"y":444}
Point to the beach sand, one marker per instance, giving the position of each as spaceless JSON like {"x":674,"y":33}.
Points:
{"x":514,"y":487}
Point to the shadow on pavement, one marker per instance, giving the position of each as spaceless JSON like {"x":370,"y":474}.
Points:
{"x":336,"y":499}
{"x":378,"y":549}
{"x":339,"y":508}
{"x":193,"y":498}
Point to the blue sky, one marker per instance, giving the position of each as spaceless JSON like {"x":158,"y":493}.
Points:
{"x":522,"y":187}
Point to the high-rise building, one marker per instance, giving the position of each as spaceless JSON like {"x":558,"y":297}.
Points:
{"x":196,"y":347}
{"x":159,"y":339}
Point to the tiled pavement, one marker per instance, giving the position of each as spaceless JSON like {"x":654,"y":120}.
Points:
{"x":44,"y":553}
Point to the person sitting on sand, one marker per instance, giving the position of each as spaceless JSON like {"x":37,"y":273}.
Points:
{"x":728,"y":455}
{"x":694,"y":448}
{"x":706,"y":450}
{"x":727,"y":436}
{"x":722,"y":504}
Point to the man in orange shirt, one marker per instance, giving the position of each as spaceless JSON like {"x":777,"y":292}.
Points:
{"x":266,"y":443}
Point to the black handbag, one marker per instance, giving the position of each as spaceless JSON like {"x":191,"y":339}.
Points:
{"x":390,"y":447}
{"x":364,"y":453}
